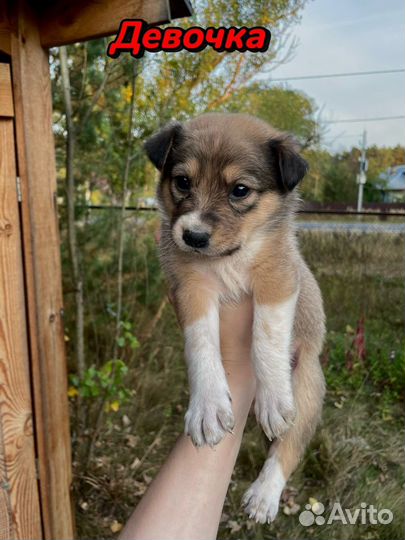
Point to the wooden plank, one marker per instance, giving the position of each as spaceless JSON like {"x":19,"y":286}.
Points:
{"x":19,"y":483}
{"x":5,"y":43}
{"x":6,"y":92}
{"x":36,"y":166}
{"x":68,"y":22}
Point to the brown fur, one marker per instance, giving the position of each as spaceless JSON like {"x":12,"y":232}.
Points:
{"x":217,"y":151}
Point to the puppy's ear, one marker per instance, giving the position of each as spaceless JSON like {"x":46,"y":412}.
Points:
{"x":159,"y":144}
{"x":289,"y":168}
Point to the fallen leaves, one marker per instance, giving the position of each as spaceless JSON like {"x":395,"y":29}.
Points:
{"x":135,"y":464}
{"x":72,"y":392}
{"x":116,"y":526}
{"x":290,"y":506}
{"x":115,"y":406}
{"x":291,"y":509}
{"x":131,"y":440}
{"x":339,"y":404}
{"x":233,"y":526}
{"x":125,"y":421}
{"x":140,"y":488}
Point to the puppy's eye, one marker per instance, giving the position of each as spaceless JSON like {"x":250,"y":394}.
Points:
{"x":182,"y":183}
{"x":240,"y":191}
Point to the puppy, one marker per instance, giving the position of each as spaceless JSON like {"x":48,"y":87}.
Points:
{"x":227,"y":198}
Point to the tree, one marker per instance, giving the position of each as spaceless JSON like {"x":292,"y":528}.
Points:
{"x":332,"y":177}
{"x":320,"y":162}
{"x":283,"y":108}
{"x":71,"y":213}
{"x":183,"y":84}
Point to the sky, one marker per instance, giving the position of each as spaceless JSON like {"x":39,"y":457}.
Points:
{"x":336,"y":36}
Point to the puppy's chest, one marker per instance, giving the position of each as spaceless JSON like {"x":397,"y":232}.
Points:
{"x":232,"y":277}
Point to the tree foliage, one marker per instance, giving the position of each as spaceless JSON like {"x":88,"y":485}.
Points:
{"x":332,"y":177}
{"x":286,"y":109}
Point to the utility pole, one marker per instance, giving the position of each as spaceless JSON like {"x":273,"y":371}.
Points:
{"x":362,"y":177}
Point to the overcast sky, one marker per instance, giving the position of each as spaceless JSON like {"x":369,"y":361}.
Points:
{"x":345,"y":36}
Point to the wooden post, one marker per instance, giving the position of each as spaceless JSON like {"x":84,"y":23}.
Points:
{"x":36,"y":168}
{"x":19,"y":505}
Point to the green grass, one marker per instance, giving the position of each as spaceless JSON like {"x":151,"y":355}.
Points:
{"x":356,"y":455}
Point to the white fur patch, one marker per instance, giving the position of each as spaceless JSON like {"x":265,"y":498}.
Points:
{"x":233,"y":273}
{"x":209,"y":415}
{"x":262,"y":499}
{"x":191,"y":221}
{"x":272,"y":333}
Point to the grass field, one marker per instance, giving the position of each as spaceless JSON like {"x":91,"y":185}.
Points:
{"x":356,"y":455}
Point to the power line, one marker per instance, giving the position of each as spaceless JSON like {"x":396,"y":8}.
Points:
{"x":370,"y":119}
{"x":334,"y":75}
{"x":332,"y":140}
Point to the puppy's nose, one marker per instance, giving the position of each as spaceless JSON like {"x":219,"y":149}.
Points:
{"x":196,"y":239}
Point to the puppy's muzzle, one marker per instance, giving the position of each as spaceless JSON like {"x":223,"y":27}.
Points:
{"x":196,"y":239}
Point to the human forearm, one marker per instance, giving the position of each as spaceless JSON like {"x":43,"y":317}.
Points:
{"x":185,"y":499}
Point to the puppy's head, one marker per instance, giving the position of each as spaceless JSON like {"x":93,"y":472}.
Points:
{"x":223,"y":176}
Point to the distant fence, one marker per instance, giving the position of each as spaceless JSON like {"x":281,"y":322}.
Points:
{"x":352,"y":227}
{"x":378,"y":208}
{"x":381,"y":210}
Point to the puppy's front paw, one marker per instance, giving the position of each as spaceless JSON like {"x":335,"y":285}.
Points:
{"x":275,"y":409}
{"x":261,"y":502}
{"x":209,"y":418}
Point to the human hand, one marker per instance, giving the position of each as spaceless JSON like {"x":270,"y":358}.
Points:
{"x":185,"y":499}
